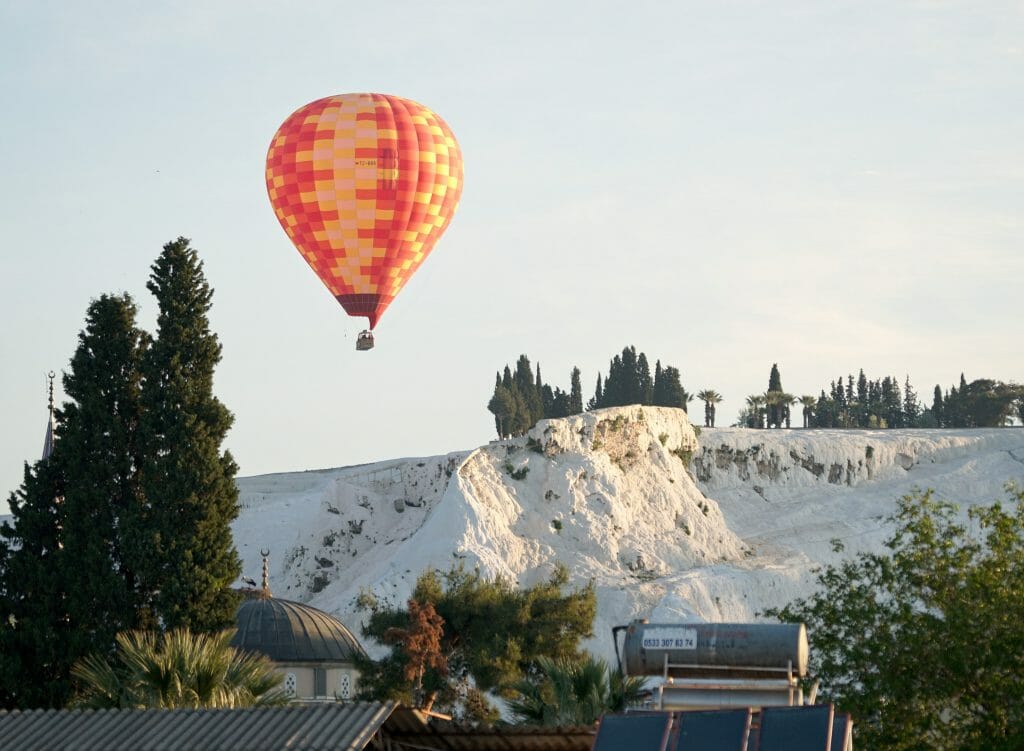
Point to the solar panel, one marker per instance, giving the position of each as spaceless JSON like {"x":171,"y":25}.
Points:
{"x":714,"y":730}
{"x":796,"y":728}
{"x":633,"y":732}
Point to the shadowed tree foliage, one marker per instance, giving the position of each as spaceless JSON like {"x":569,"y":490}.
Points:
{"x":924,"y":644}
{"x":493,"y":635}
{"x":175,"y":670}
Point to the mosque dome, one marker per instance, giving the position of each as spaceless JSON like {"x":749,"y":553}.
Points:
{"x":290,"y":632}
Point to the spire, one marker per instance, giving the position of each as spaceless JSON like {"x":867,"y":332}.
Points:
{"x":265,"y":590}
{"x":48,"y":440}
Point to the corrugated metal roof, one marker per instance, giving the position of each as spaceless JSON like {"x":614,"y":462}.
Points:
{"x":323,"y":727}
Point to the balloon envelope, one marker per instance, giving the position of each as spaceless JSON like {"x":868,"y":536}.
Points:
{"x":364,"y":185}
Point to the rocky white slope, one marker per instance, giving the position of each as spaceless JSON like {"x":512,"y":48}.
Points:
{"x":669,"y":526}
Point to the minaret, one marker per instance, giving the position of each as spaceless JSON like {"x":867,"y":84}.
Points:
{"x":265,"y":590}
{"x":48,"y":440}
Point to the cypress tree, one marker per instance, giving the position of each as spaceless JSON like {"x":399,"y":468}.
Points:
{"x":524,"y":384}
{"x":952,"y":408}
{"x":658,"y":386}
{"x":597,"y":401}
{"x":911,"y":408}
{"x":68,"y":563}
{"x":776,"y":413}
{"x":503,"y":406}
{"x":673,"y":392}
{"x":559,"y":402}
{"x":98,"y":447}
{"x":188,"y":483}
{"x":614,"y":384}
{"x":575,"y":393}
{"x":644,"y":380}
{"x":630,"y":387}
{"x":937,"y":407}
{"x":547,"y":400}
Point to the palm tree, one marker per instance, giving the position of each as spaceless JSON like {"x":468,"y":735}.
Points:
{"x":785,"y":402}
{"x":808,"y":403}
{"x":567,"y":692}
{"x":755,"y":408}
{"x":177,"y":669}
{"x":710,"y":397}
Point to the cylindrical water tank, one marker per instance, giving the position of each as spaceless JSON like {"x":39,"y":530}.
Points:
{"x":705,"y":649}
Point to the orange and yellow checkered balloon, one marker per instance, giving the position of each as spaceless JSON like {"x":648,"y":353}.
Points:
{"x":364,"y":185}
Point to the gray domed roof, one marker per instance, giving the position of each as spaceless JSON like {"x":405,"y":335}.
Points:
{"x":287,"y":631}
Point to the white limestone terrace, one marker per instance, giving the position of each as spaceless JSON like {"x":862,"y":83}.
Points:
{"x":668,"y":525}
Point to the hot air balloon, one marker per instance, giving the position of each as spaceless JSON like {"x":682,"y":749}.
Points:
{"x":364,"y":185}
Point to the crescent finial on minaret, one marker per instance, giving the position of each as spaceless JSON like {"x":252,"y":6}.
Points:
{"x":48,"y":439}
{"x":265,"y":591}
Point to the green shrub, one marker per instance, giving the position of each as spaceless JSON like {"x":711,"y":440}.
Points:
{"x":516,"y":474}
{"x":685,"y":455}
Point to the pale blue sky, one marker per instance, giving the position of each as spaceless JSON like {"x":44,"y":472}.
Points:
{"x":826,"y":185}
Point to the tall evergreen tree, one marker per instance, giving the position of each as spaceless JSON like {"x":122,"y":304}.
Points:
{"x":559,"y":402}
{"x":862,"y":400}
{"x":773,"y":398}
{"x":598,"y":397}
{"x":911,"y":408}
{"x":671,"y":392}
{"x":644,"y":380}
{"x":98,"y":446}
{"x":188,"y":482}
{"x":952,"y":409}
{"x":527,"y":388}
{"x":68,"y":565}
{"x":937,"y":407}
{"x":503,"y":406}
{"x":575,"y":393}
{"x":631,"y":390}
{"x":614,"y":384}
